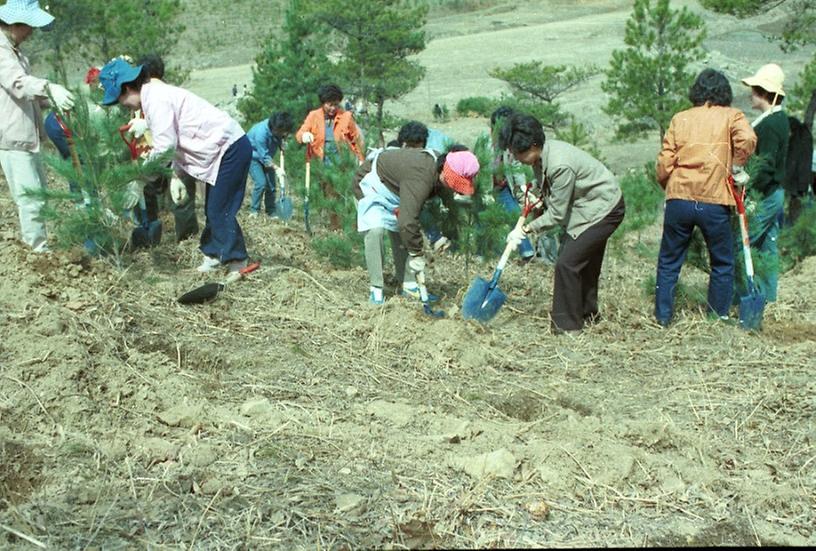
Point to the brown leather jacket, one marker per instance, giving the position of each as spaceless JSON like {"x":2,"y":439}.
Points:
{"x":699,"y":149}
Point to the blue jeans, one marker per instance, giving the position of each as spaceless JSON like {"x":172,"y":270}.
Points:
{"x":222,"y":237}
{"x":264,"y":188}
{"x":680,"y":218}
{"x":506,"y":199}
{"x":763,"y":233}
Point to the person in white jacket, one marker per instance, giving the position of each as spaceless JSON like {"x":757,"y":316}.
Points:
{"x":21,"y":95}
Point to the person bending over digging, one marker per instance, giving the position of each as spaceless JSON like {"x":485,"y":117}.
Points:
{"x":209,"y":146}
{"x":581,"y":195}
{"x":266,"y":138}
{"x":391,"y":188}
{"x":20,"y":121}
{"x":699,"y":148}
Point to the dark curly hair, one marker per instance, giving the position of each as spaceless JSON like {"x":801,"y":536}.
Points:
{"x":711,"y":87}
{"x":413,"y":133}
{"x":280,"y":123}
{"x":501,"y":112}
{"x":521,"y":132}
{"x":329,"y":93}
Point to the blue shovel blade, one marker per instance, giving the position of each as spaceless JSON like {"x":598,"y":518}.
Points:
{"x":482,"y":303}
{"x":751,"y":308}
{"x":285,"y":208}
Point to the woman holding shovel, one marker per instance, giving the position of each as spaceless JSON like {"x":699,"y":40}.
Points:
{"x":583,"y":196}
{"x":391,"y":187}
{"x":266,"y":138}
{"x":773,"y":131}
{"x":209,"y":146}
{"x":21,"y":95}
{"x":700,"y":149}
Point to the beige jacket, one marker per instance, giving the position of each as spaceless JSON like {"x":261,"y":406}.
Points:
{"x":582,"y":191}
{"x":20,"y":95}
{"x":699,"y":149}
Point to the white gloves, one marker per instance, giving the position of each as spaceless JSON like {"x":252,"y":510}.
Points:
{"x":133,"y":193}
{"x":178,"y":191}
{"x":280,"y":174}
{"x":138,"y":127}
{"x":63,"y":99}
{"x":516,"y":236}
{"x":417,"y":264}
{"x":307,"y":137}
{"x":741,"y":177}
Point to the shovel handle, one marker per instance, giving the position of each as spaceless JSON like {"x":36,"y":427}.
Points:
{"x":509,"y":248}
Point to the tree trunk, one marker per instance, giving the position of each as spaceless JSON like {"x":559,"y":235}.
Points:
{"x":380,"y":106}
{"x":810,"y":111}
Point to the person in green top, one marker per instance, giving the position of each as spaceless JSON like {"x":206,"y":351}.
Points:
{"x":773,"y":131}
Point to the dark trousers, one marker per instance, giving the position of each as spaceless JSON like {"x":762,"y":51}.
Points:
{"x":577,"y":271}
{"x":183,"y":214}
{"x":714,"y":221}
{"x":222,"y":237}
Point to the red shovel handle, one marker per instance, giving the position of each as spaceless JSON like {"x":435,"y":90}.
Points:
{"x":249,"y":269}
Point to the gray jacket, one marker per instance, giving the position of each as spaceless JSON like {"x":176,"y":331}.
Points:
{"x":582,"y":191}
{"x":20,"y":95}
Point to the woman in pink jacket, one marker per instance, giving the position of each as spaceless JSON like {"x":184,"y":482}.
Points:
{"x":209,"y":146}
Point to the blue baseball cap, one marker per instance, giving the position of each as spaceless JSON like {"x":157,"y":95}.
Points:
{"x":113,"y":75}
{"x":27,"y":12}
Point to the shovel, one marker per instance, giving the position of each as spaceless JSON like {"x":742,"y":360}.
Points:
{"x":308,"y":182}
{"x":284,"y":206}
{"x":484,"y":298}
{"x":423,"y":294}
{"x":209,"y":291}
{"x":751,"y":305}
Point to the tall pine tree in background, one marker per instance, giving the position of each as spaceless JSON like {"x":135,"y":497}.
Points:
{"x":648,"y":82}
{"x":93,"y":32}
{"x":289,"y":70}
{"x":375,"y":40}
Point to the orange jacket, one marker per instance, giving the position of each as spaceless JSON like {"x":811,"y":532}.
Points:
{"x":345,"y":131}
{"x":699,"y":149}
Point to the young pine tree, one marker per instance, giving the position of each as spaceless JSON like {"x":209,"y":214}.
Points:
{"x":289,"y":69}
{"x":648,"y":82}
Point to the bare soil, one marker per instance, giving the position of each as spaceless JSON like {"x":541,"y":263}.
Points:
{"x":289,"y":413}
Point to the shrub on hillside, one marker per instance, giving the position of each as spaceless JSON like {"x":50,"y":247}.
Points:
{"x":477,"y":105}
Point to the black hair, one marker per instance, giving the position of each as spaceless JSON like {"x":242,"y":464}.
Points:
{"x":521,"y":132}
{"x":711,"y":87}
{"x":153,"y":65}
{"x":413,"y":133}
{"x":501,"y":112}
{"x":393,"y":143}
{"x":281,"y":122}
{"x":329,"y":93}
{"x":440,"y":161}
{"x":769,"y":96}
{"x":138,"y":82}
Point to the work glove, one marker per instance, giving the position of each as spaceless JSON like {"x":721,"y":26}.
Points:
{"x":138,"y":127}
{"x":307,"y":137}
{"x":63,"y":99}
{"x":178,"y":191}
{"x":417,"y":263}
{"x":741,"y":177}
{"x":516,"y":236}
{"x":133,"y":193}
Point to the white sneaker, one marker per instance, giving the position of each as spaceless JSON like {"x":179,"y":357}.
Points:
{"x":236,"y":265}
{"x":209,"y":264}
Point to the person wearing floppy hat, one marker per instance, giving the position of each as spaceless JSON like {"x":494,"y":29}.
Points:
{"x":209,"y":146}
{"x":773,"y":132}
{"x":391,"y":187}
{"x":21,"y":127}
{"x":583,"y":196}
